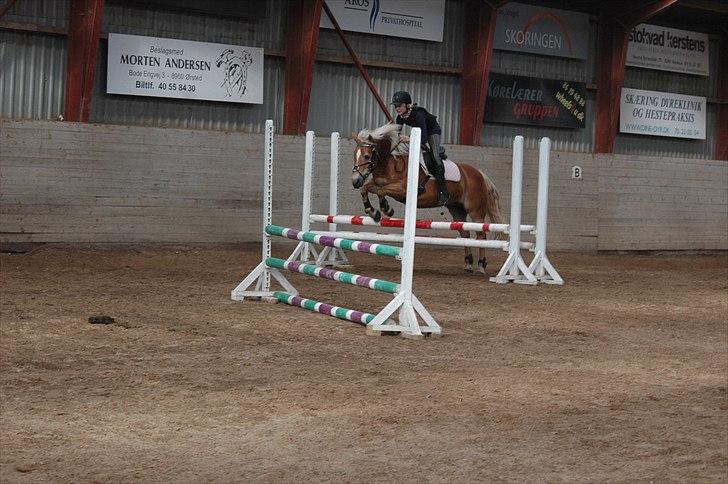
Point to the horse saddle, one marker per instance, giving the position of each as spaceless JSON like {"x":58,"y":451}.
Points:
{"x":452,"y":172}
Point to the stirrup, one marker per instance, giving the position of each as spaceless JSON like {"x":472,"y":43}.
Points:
{"x":442,"y":197}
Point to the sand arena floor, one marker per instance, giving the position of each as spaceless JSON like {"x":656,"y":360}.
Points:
{"x":620,"y":375}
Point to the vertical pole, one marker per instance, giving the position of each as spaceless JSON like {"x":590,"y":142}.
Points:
{"x":612,"y":52}
{"x":514,"y":231}
{"x":302,"y":33}
{"x":721,"y":141}
{"x":407,"y":314}
{"x":514,"y":268}
{"x":334,"y":179}
{"x":307,"y":188}
{"x":541,"y":266}
{"x":84,"y":30}
{"x":267,"y":198}
{"x":478,"y":34}
{"x":542,"y":210}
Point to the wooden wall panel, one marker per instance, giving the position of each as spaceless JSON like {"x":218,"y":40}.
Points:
{"x":66,"y":182}
{"x":650,"y":203}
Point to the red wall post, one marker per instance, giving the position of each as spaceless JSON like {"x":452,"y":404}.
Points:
{"x":478,"y":33}
{"x":84,"y":29}
{"x":612,"y":53}
{"x":301,"y":42}
{"x":721,"y":132}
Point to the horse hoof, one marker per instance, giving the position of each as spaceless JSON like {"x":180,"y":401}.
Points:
{"x":469,"y":268}
{"x":389,"y":212}
{"x":482,"y":264}
{"x":377,"y":216}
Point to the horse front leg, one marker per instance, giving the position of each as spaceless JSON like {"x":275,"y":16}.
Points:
{"x":384,"y":206}
{"x":368,"y":209}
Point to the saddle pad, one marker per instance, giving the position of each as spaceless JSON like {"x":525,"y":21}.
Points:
{"x":452,"y":172}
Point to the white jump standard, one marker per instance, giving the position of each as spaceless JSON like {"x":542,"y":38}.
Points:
{"x":513,"y":270}
{"x":409,"y":310}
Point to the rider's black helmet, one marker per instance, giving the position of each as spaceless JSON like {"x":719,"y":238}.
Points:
{"x":401,"y":97}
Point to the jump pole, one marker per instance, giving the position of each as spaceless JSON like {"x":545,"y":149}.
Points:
{"x":406,"y":302}
{"x":260,"y":276}
{"x":514,"y":268}
{"x":332,"y":256}
{"x":303,"y":252}
{"x":333,"y":218}
{"x":540,"y":266}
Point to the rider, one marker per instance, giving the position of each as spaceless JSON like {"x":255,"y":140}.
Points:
{"x":418,"y":117}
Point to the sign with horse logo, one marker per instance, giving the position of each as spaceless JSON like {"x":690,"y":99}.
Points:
{"x":413,"y":19}
{"x":182,"y":69}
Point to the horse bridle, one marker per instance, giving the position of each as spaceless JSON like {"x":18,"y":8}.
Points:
{"x":375,"y":158}
{"x":371,"y":164}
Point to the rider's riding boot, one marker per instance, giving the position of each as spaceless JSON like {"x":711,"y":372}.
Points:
{"x":442,"y":195}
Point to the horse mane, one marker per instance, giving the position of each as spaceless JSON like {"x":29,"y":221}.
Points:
{"x":385,"y":138}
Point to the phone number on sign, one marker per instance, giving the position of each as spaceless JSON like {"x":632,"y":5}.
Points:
{"x":164,"y":86}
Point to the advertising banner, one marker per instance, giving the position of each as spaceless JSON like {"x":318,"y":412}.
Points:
{"x":414,"y":19}
{"x":541,"y":30}
{"x":654,"y":47}
{"x":662,"y":114}
{"x":181,"y":69}
{"x":537,"y":102}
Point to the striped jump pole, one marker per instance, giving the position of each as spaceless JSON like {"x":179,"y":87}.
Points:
{"x":425,"y":240}
{"x":334,"y":275}
{"x":420,"y":224}
{"x":323,"y":308}
{"x":329,"y":241}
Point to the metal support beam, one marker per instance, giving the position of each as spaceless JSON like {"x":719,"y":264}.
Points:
{"x":302,"y":34}
{"x":6,"y":8}
{"x":478,"y":33}
{"x":612,"y":53}
{"x":84,"y":29}
{"x":721,"y":140}
{"x":359,"y":65}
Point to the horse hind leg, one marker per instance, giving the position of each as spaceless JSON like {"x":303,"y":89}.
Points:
{"x":459,"y":215}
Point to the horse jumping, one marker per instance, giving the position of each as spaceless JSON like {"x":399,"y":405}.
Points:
{"x":380,"y":167}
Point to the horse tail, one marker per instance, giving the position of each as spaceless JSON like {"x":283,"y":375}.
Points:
{"x":492,"y":202}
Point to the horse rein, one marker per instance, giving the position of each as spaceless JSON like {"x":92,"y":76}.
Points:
{"x":375,"y":158}
{"x":371,"y":164}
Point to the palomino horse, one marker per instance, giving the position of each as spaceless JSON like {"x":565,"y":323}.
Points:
{"x":380,"y":167}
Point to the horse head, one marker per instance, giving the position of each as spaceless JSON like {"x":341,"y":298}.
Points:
{"x":367,"y":157}
{"x":224,"y":57}
{"x":247,"y":58}
{"x":373,"y":150}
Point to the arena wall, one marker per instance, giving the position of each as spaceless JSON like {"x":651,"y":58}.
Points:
{"x":75,"y":183}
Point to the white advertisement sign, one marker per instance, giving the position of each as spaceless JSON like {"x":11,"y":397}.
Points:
{"x":181,"y":69}
{"x":654,"y":47}
{"x":414,"y":19}
{"x":541,"y":30}
{"x":655,"y":113}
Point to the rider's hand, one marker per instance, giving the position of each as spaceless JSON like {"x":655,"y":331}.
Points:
{"x":404,"y":138}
